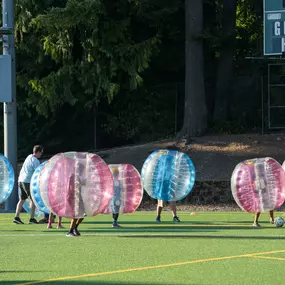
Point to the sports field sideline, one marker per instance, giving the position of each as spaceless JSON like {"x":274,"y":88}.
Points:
{"x":206,"y":248}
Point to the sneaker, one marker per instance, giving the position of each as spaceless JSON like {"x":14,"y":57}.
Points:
{"x":158,"y":220}
{"x":116,"y":226}
{"x":272,"y":222}
{"x":60,"y":227}
{"x":176,"y":219}
{"x":76,"y":232}
{"x":256,"y":225}
{"x":49,"y":226}
{"x":17,"y":220}
{"x":33,"y":221}
{"x":70,"y":235}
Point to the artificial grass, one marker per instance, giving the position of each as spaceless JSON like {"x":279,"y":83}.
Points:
{"x":205,"y":248}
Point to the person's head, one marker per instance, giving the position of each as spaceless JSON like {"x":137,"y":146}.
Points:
{"x":38,"y":151}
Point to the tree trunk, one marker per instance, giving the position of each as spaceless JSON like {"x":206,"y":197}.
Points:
{"x":225,"y":67}
{"x":195,"y":110}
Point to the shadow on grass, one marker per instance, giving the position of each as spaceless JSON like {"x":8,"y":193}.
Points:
{"x":197,"y":224}
{"x":217,"y":222}
{"x":141,"y":230}
{"x":207,"y":237}
{"x":127,"y":222}
{"x":16,"y":230}
{"x":19,"y":271}
{"x":151,"y":223}
{"x":163,"y":227}
{"x":80,"y":282}
{"x":150,"y":229}
{"x":245,"y":222}
{"x":110,"y":231}
{"x":32,"y":231}
{"x":175,"y":228}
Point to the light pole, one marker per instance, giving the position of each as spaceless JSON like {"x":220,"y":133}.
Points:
{"x":8,"y":96}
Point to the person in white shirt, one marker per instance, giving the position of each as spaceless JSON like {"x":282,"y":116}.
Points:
{"x":27,"y":170}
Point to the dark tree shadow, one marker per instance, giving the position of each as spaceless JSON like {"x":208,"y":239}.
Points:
{"x":207,"y":237}
{"x":20,"y":271}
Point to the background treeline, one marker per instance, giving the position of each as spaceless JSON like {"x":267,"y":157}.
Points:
{"x":102,"y":73}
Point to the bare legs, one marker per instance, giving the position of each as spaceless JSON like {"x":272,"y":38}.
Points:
{"x":33,"y":208}
{"x":257,"y":215}
{"x":51,"y":219}
{"x":73,"y":229}
{"x":173,"y":208}
{"x":172,"y":205}
{"x":158,"y":211}
{"x":19,"y":207}
{"x":271,"y":214}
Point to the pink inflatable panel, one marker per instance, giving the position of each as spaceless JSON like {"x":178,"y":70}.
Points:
{"x":128,"y":190}
{"x":258,"y":185}
{"x":76,"y":184}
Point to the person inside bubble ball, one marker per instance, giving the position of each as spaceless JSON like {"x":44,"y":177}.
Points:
{"x":74,"y":199}
{"x":116,"y":199}
{"x":172,"y":204}
{"x":256,"y":218}
{"x":30,"y":164}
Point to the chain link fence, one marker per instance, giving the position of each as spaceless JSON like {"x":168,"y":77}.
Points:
{"x":157,"y":112}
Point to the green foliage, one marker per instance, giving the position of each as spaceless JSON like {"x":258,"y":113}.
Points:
{"x":80,"y":52}
{"x":95,"y":52}
{"x":143,"y":115}
{"x":249,"y":27}
{"x":79,"y":55}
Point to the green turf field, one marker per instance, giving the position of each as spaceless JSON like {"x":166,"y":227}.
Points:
{"x":206,"y":248}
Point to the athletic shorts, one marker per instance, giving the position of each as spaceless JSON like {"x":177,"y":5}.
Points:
{"x":161,"y":203}
{"x":24,"y":190}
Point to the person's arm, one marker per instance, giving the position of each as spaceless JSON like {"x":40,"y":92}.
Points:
{"x":36,"y":163}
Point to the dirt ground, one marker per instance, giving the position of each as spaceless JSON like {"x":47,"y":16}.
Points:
{"x":214,"y":157}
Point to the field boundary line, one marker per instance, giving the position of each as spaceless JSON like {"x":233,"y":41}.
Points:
{"x":269,"y":257}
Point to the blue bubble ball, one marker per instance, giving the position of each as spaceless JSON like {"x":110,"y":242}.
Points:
{"x":35,"y":189}
{"x":168,"y":175}
{"x":7,"y":178}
